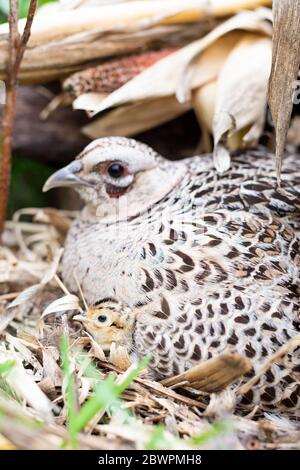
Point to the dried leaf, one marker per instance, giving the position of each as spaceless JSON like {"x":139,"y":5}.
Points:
{"x":24,"y":386}
{"x":140,"y":116}
{"x":51,"y":272}
{"x":285,"y":67}
{"x":25,"y":355}
{"x":48,"y":388}
{"x":96,"y":350}
{"x":5,"y":318}
{"x":26,"y":295}
{"x":67,"y":302}
{"x":50,"y":366}
{"x":119,"y":356}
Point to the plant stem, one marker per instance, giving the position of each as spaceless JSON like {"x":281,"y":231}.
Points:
{"x":16,"y":49}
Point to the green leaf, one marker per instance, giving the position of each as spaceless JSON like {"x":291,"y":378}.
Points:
{"x":157,"y":440}
{"x":7,"y":366}
{"x":213,"y":432}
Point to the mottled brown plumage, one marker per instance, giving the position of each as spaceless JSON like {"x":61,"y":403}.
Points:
{"x":201,"y":262}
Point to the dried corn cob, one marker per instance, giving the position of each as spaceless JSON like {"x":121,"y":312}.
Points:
{"x":113,"y":74}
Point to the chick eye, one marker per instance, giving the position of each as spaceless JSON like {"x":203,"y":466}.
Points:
{"x":115,"y":170}
{"x":102,"y":318}
{"x":68,"y":88}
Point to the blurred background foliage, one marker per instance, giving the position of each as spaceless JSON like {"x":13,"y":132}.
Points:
{"x":23,"y":8}
{"x":28,"y":175}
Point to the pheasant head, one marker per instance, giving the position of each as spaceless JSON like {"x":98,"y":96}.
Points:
{"x":114,"y":172}
{"x":109,"y":322}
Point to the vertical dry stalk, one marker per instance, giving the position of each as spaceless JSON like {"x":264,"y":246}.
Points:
{"x":16,"y":48}
{"x":285,"y":67}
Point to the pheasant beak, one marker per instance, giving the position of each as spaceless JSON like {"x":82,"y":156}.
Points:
{"x":66,"y":177}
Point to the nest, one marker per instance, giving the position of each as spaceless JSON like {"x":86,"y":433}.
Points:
{"x":56,"y":394}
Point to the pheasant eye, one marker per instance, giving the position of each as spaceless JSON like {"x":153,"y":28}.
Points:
{"x":102,"y":318}
{"x":115,"y":170}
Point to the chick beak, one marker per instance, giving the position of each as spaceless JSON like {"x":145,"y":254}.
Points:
{"x":81,"y":318}
{"x":66,"y":177}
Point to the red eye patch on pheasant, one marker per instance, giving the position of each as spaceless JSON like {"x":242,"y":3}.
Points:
{"x":115,"y":191}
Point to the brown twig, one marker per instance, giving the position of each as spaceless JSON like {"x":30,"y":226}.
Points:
{"x":26,"y":33}
{"x":16,"y":48}
{"x":277,"y":356}
{"x":213,"y":375}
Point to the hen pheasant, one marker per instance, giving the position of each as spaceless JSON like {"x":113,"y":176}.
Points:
{"x":184,"y":263}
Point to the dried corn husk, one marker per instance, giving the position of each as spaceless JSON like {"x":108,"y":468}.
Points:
{"x":207,"y":69}
{"x":208,"y":66}
{"x":170,"y":73}
{"x":71,"y":4}
{"x":62,"y":57}
{"x":122,"y":120}
{"x":228,"y":71}
{"x":112,"y":74}
{"x":204,"y":102}
{"x":67,"y":40}
{"x":51,"y":27}
{"x":238,"y":98}
{"x":135,"y":118}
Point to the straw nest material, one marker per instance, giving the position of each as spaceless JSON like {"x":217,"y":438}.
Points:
{"x":41,"y":396}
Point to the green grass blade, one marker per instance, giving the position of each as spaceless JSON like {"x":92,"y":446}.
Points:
{"x":135,"y":372}
{"x":106,"y":393}
{"x":70,"y":390}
